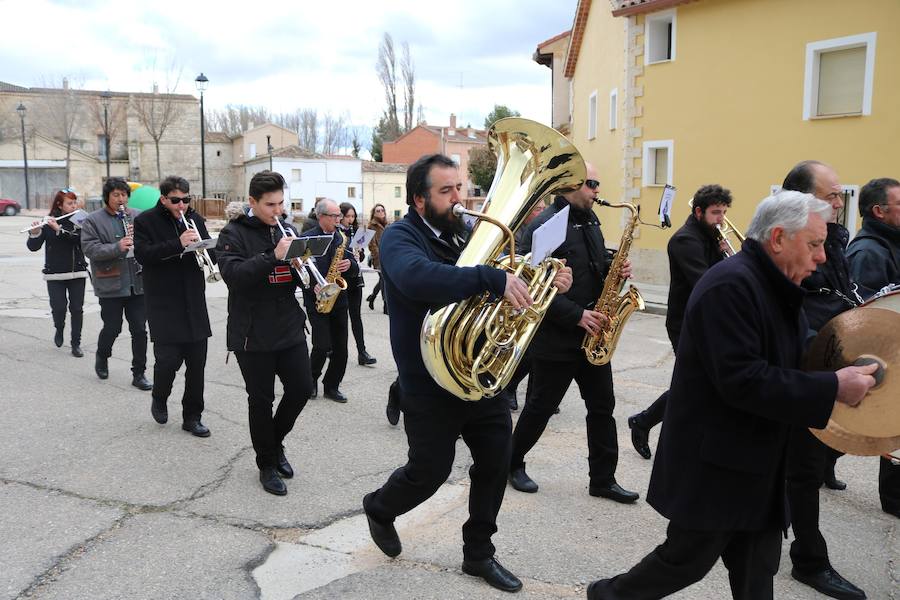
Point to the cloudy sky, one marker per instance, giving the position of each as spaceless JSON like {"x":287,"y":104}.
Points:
{"x":468,"y":54}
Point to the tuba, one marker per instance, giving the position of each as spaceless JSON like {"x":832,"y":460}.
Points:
{"x":615,"y":307}
{"x":472,"y":347}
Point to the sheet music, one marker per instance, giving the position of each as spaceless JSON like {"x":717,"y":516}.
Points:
{"x":78,"y":218}
{"x":549,"y":236}
{"x":207,"y":244}
{"x":665,"y":205}
{"x":361,"y":239}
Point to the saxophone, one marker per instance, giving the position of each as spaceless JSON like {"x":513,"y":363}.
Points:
{"x":617,"y":308}
{"x":325,"y":302}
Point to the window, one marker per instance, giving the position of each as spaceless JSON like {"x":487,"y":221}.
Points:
{"x":296,"y":174}
{"x":218,"y":153}
{"x":455,"y":158}
{"x":252,"y":150}
{"x":396,"y":191}
{"x":101,"y":147}
{"x":351,"y":192}
{"x":839,"y":75}
{"x":659,"y":37}
{"x":613,"y":108}
{"x":297,"y":206}
{"x":658,"y":158}
{"x":592,"y":116}
{"x":396,"y":214}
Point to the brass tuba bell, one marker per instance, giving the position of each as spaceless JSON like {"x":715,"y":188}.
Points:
{"x":471,"y":348}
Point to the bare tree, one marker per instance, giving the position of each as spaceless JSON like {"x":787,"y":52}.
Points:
{"x":62,"y":111}
{"x":308,"y":130}
{"x":156,"y":112}
{"x":335,"y":134}
{"x":409,"y":87}
{"x":235,"y":119}
{"x":115,"y":117}
{"x":386,"y":67}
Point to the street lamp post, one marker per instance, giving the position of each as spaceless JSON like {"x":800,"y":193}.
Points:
{"x":269,"y":148}
{"x":202,"y":82}
{"x":21,"y":110}
{"x":104,"y":99}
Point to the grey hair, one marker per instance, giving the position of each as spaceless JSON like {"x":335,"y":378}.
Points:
{"x":321,"y":206}
{"x":786,"y":209}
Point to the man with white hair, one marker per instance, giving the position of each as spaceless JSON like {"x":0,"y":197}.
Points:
{"x":737,"y":388}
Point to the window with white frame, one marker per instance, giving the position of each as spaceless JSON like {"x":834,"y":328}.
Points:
{"x":396,"y":191}
{"x":296,"y":174}
{"x":658,"y":161}
{"x":592,"y":116}
{"x":455,"y":158}
{"x":659,"y":37}
{"x":613,"y":108}
{"x":839,"y":76}
{"x":252,"y":150}
{"x":351,"y":192}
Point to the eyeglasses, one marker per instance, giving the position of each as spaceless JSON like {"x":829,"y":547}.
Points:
{"x":334,"y":215}
{"x":68,"y":190}
{"x":592,"y":183}
{"x":177,"y":200}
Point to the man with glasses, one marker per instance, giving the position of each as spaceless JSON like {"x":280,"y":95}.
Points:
{"x":175,"y":288}
{"x":874,"y":256}
{"x":107,"y":239}
{"x":329,"y":330}
{"x":557,"y":357}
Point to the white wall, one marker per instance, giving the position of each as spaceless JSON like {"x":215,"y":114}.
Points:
{"x":320,"y":178}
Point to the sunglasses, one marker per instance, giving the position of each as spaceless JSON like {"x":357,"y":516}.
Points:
{"x":68,"y":190}
{"x":177,"y":200}
{"x":592,"y":183}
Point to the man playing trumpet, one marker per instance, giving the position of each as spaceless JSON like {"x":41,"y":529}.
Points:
{"x":175,"y":289}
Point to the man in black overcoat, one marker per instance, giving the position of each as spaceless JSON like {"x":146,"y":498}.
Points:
{"x":175,"y":293}
{"x":736,"y":389}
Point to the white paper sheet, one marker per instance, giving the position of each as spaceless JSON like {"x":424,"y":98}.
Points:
{"x":665,"y":205}
{"x":549,"y":236}
{"x":361,"y":239}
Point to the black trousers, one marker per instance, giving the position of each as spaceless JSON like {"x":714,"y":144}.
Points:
{"x":67,"y":294}
{"x":685,"y":558}
{"x":135,"y":310}
{"x":355,"y":296}
{"x":169,"y":358}
{"x":653,"y":414}
{"x":291,"y":365}
{"x":376,"y":289}
{"x":889,"y":486}
{"x":551,"y":380}
{"x":329,"y":333}
{"x":432,"y":427}
{"x":806,"y":459}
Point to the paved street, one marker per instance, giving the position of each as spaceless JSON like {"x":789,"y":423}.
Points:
{"x":99,"y":501}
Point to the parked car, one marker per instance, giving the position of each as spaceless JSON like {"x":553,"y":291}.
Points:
{"x":9,"y":207}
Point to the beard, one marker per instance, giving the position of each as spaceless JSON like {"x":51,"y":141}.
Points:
{"x":444,"y":221}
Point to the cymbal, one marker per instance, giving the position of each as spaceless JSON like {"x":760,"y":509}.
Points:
{"x":848,"y":442}
{"x":855,"y":337}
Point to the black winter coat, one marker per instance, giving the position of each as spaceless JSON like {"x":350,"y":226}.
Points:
{"x":692,"y":251}
{"x":263,"y":314}
{"x":324,"y":262}
{"x":829,"y":289}
{"x":736,"y":390}
{"x":559,"y":336}
{"x":62,"y":253}
{"x":174,"y":285}
{"x":874,"y":256}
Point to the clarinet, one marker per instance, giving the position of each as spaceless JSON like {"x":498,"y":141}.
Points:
{"x":128,"y":230}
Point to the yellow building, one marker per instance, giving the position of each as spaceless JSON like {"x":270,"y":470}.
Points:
{"x":733,"y":92}
{"x":384,"y":183}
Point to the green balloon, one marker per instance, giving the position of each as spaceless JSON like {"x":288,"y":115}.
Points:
{"x":143,"y":197}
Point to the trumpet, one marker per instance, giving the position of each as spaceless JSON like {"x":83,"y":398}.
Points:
{"x":326,"y":290}
{"x":46,"y":219}
{"x":204,"y":261}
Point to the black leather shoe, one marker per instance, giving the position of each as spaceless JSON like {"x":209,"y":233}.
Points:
{"x":367,"y":359}
{"x":614,"y":492}
{"x":159,"y":410}
{"x":142,"y":383}
{"x":272,"y":482}
{"x":894,"y":512}
{"x":392,"y":411}
{"x":520,"y":480}
{"x":830,"y":583}
{"x":335,"y":395}
{"x":284,"y":468}
{"x":58,"y":338}
{"x":493,"y":572}
{"x":371,"y":301}
{"x":76,"y":350}
{"x":315,"y":391}
{"x":383,"y":534}
{"x":101,"y":367}
{"x":832,"y":482}
{"x":640,"y":436}
{"x":196,"y":428}
{"x":593,"y":589}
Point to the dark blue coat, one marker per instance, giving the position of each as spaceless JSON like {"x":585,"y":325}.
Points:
{"x":418,"y":274}
{"x":874,"y":256}
{"x":736,"y":390}
{"x":829,"y":289}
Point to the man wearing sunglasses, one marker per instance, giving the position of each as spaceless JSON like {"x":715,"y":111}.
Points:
{"x":175,"y":289}
{"x":557,"y":357}
{"x":330,"y":330}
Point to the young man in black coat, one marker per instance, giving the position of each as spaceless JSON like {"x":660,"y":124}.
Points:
{"x":737,"y":387}
{"x":692,"y":250}
{"x":175,"y":293}
{"x":265,"y":323}
{"x":556,"y":355}
{"x":418,"y":272}
{"x":329,"y":330}
{"x":874,"y":256}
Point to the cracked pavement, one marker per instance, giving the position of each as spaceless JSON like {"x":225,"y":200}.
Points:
{"x":99,"y":501}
